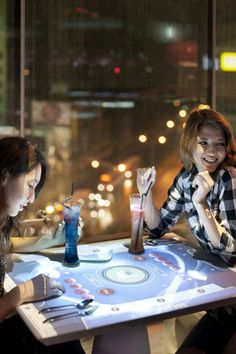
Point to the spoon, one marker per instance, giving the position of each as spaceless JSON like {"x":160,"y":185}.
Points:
{"x":82,"y":305}
{"x":85,"y":312}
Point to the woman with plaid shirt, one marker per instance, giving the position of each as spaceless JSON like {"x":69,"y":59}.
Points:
{"x":205,"y":189}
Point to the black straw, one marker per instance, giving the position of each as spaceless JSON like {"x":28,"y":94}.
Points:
{"x":140,"y":216}
{"x":71,"y":194}
{"x":146,"y":193}
{"x":139,"y":222}
{"x":72,"y":189}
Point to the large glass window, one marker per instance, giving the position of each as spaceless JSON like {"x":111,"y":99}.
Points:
{"x":108,"y":85}
{"x":9,"y":68}
{"x":226,"y":59}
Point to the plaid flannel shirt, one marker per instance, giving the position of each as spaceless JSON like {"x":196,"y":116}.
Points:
{"x":221,"y":201}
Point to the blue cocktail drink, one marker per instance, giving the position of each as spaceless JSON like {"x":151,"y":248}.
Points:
{"x":71,"y":210}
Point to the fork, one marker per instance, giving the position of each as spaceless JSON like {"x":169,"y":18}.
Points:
{"x":81,"y":313}
{"x":82,"y":305}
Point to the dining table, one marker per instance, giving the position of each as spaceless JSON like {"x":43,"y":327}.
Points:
{"x":112,"y":288}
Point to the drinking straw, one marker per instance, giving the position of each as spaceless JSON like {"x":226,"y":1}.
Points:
{"x":139,"y":222}
{"x":72,"y":189}
{"x":146,"y":193}
{"x":71,"y":194}
{"x":141,"y":206}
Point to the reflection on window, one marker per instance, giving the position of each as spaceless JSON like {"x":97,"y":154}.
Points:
{"x":108,"y":88}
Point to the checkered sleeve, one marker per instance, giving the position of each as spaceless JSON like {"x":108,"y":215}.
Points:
{"x":227,"y":216}
{"x":172,"y":208}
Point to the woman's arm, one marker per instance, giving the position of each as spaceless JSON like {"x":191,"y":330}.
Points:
{"x":37,"y":243}
{"x":220,"y":229}
{"x":146,"y":178}
{"x":212,"y":227}
{"x":38,"y":288}
{"x":161,"y":221}
{"x":9,"y":302}
{"x":151,"y":213}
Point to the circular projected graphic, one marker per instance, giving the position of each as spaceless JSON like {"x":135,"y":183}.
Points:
{"x":125,"y":274}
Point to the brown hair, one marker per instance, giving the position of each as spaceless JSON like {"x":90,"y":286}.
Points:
{"x":18,"y":156}
{"x":201,"y":118}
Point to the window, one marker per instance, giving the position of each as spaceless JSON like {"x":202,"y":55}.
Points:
{"x":108,"y":85}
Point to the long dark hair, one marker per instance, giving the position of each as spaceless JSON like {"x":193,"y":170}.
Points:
{"x":201,"y":118}
{"x":18,"y":156}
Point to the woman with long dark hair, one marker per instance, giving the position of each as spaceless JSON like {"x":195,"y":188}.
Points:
{"x":22,"y":176}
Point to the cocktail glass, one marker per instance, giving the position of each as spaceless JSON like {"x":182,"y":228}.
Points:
{"x":136,"y":201}
{"x":71,"y":209}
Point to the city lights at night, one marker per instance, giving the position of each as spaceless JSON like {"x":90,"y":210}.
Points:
{"x":112,"y":98}
{"x":118,"y":192}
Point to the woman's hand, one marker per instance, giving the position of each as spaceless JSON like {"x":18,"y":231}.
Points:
{"x":145,"y":178}
{"x":39,"y":288}
{"x":59,"y":234}
{"x":203,"y":183}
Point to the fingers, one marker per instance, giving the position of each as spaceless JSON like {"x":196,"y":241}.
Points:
{"x":146,"y":178}
{"x":153,"y":173}
{"x":55,"y":293}
{"x":56,"y":284}
{"x":204,"y":180}
{"x":141,"y":175}
{"x":148,"y":174}
{"x":200,"y":183}
{"x":203,"y":184}
{"x":145,"y":175}
{"x":81,"y":223}
{"x":51,"y":287}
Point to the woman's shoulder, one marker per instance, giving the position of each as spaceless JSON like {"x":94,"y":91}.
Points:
{"x":184,"y":178}
{"x":183,"y":173}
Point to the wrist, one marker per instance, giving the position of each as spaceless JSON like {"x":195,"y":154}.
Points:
{"x":201,"y":204}
{"x":203,"y":209}
{"x":24,"y":292}
{"x":14,"y":298}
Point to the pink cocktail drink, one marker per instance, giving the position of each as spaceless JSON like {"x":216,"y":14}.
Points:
{"x":136,"y":209}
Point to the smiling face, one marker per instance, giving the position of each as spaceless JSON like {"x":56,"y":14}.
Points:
{"x":210,"y":150}
{"x":20,"y":191}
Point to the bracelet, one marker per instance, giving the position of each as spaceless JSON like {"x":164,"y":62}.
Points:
{"x":44,"y":285}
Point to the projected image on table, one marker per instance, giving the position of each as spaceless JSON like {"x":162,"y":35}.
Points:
{"x":165,"y":277}
{"x":168,"y":270}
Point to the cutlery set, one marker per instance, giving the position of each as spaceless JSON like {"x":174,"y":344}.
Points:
{"x":83,"y":308}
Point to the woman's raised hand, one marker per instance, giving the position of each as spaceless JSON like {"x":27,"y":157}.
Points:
{"x":202,"y":183}
{"x":146,"y":177}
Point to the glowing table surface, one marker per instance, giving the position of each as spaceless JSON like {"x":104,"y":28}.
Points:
{"x":166,"y":281}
